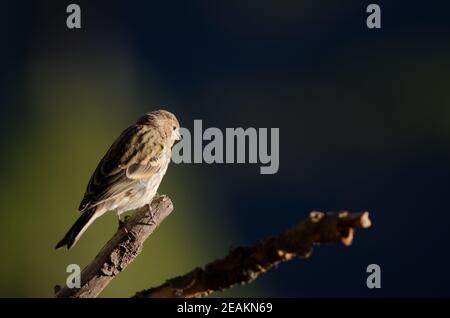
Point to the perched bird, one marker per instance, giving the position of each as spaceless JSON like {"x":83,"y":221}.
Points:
{"x":129,"y":174}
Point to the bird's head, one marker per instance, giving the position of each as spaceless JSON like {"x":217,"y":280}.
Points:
{"x":162,"y":119}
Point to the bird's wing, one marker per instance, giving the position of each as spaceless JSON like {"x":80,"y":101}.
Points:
{"x":148,"y":166}
{"x":135,"y":155}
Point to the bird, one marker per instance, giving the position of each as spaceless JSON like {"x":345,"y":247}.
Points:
{"x":129,"y":174}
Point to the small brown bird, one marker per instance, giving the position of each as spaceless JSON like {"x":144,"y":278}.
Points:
{"x":129,"y":174}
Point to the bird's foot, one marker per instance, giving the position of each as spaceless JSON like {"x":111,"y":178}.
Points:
{"x":151,"y":214}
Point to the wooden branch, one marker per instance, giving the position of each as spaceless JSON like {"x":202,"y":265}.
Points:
{"x":120,"y":250}
{"x":244,"y":264}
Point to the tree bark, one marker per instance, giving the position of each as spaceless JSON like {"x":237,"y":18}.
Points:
{"x":244,"y":264}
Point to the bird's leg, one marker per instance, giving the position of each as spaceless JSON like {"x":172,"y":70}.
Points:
{"x":121,"y":223}
{"x":151,"y":214}
{"x":149,"y":207}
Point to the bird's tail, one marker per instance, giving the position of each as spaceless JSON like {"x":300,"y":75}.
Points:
{"x":78,"y":228}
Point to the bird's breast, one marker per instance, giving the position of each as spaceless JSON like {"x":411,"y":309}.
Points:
{"x":145,"y":189}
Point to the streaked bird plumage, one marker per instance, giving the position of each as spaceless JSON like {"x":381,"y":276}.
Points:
{"x":129,"y":174}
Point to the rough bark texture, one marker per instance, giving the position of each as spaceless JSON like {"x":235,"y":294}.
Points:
{"x":244,"y":264}
{"x":120,"y":250}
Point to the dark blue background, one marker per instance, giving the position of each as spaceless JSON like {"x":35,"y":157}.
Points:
{"x":363,"y":115}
